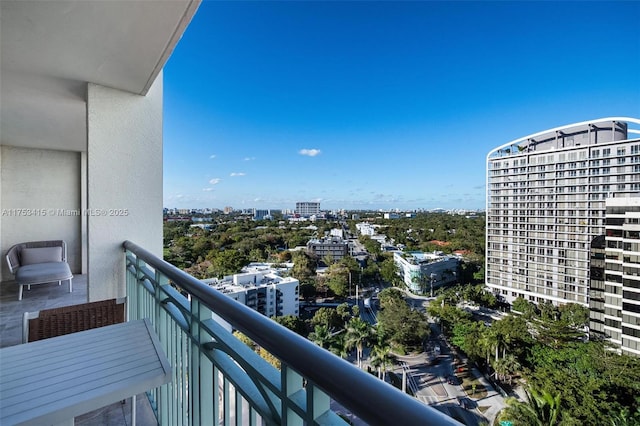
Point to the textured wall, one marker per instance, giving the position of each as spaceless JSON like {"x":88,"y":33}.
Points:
{"x":124,"y":181}
{"x":40,"y":200}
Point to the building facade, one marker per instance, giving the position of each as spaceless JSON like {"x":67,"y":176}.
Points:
{"x":422,"y":272}
{"x":262,"y":290}
{"x":335,"y":247}
{"x":261,"y":214}
{"x":546,"y":202}
{"x":307,"y":208}
{"x":615,"y":277}
{"x":366,"y":229}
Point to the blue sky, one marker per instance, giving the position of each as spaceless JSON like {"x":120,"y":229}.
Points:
{"x":381,"y":105}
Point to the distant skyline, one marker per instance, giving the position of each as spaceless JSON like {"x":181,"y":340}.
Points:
{"x":381,"y":105}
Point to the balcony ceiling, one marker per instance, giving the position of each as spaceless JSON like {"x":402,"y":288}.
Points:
{"x":49,"y":50}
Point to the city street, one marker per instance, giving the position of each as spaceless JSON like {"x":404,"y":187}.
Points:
{"x":429,"y":376}
{"x":428,"y":382}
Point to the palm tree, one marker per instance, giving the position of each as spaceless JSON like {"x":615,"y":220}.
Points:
{"x":541,"y":409}
{"x":486,"y":343}
{"x":358,"y":334}
{"x":339,"y":347}
{"x":625,"y":418}
{"x":511,"y":366}
{"x":381,"y":358}
{"x":499,"y":369}
{"x":376,"y":361}
{"x":321,"y":336}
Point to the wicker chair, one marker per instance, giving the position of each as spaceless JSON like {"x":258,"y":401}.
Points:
{"x":70,"y":319}
{"x":39,"y":262}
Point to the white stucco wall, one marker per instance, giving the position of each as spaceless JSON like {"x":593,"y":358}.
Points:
{"x":2,"y":249}
{"x":47,"y":183}
{"x":124,"y":181}
{"x":290,"y":300}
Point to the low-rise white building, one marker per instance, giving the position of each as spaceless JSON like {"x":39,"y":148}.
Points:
{"x":336,"y":232}
{"x":262,"y":290}
{"x":423,"y":271}
{"x":366,"y":229}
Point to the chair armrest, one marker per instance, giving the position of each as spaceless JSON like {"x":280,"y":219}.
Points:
{"x":13,"y":261}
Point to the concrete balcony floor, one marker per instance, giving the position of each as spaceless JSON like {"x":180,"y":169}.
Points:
{"x":46,"y":296}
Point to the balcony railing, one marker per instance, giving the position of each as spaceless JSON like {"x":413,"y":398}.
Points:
{"x":217,"y":379}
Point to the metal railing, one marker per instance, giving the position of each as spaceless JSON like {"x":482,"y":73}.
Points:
{"x":218,"y":379}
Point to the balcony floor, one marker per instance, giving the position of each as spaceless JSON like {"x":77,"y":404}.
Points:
{"x":46,"y":296}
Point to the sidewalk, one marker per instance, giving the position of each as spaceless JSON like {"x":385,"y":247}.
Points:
{"x":493,"y":400}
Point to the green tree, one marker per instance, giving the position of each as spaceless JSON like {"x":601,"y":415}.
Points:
{"x":327,"y":317}
{"x":381,"y":357}
{"x":523,"y":306}
{"x":390,"y":296}
{"x":257,"y":255}
{"x":244,"y":339}
{"x":303,"y":267}
{"x":338,"y":279}
{"x":468,"y":336}
{"x":574,"y":315}
{"x":406,"y":328}
{"x":328,"y":259}
{"x":388,"y":271}
{"x":358,"y":334}
{"x":269,"y":357}
{"x":370,"y":245}
{"x":511,"y":334}
{"x":201,"y":270}
{"x":541,"y":409}
{"x":322,"y":336}
{"x":293,"y":323}
{"x":594,"y":382}
{"x":507,"y":367}
{"x":344,"y":311}
{"x":307,"y":291}
{"x":227,"y":262}
{"x":625,"y":418}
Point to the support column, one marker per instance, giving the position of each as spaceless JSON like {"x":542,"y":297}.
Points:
{"x":124,"y":182}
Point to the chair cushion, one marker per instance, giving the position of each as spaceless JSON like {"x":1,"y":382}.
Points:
{"x":39,"y":273}
{"x":30,"y":256}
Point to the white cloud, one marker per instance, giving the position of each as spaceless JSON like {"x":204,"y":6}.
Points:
{"x":212,"y":156}
{"x":215,"y":181}
{"x":237,"y":174}
{"x":309,"y":152}
{"x":207,"y":189}
{"x":249,"y":158}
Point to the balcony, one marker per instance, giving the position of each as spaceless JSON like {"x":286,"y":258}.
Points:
{"x":217,"y":379}
{"x":47,"y":296}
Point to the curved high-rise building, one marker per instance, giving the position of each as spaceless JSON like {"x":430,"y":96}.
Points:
{"x":546,"y":197}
